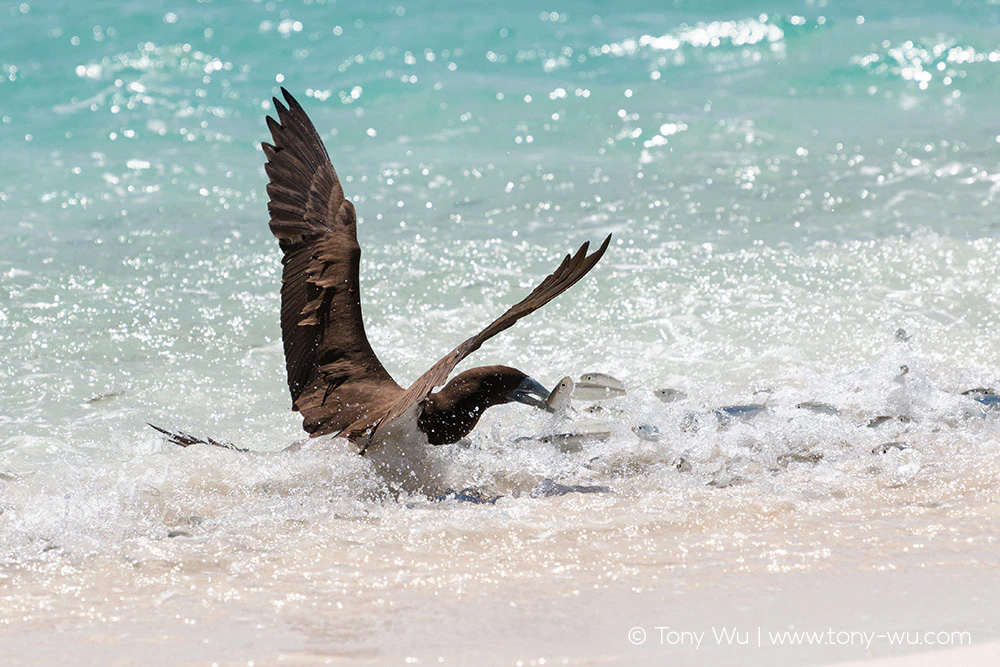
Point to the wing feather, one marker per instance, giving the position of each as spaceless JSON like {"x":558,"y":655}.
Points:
{"x":568,"y":273}
{"x":334,"y":376}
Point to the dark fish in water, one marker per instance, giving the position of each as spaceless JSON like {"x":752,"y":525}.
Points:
{"x":578,"y":438}
{"x":887,"y":447}
{"x":548,"y":488}
{"x":799,"y":457}
{"x":875,"y":422}
{"x":741,"y":412}
{"x":469,"y":495}
{"x":100,"y":398}
{"x":647,"y":432}
{"x":724,"y":480}
{"x":602,"y":410}
{"x":816,"y":406}
{"x":681,"y":464}
{"x":991,"y":401}
{"x":571,"y":440}
{"x":670,"y":395}
{"x":901,"y":335}
{"x":985,"y":396}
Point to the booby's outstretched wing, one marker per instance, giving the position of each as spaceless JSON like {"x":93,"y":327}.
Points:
{"x":334,"y":377}
{"x":572,"y":269}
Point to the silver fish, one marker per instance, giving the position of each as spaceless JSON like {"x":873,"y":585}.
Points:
{"x":887,"y":447}
{"x":816,"y":406}
{"x":647,"y":432}
{"x":589,"y":391}
{"x":549,"y":487}
{"x":98,"y":398}
{"x":603,"y":380}
{"x":559,"y":398}
{"x":597,"y":387}
{"x":570,"y":441}
{"x":743,"y":412}
{"x":670,"y":395}
{"x":582,"y":433}
{"x":788,"y":458}
{"x":875,"y":422}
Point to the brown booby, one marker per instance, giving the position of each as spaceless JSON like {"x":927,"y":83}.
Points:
{"x":336,"y":381}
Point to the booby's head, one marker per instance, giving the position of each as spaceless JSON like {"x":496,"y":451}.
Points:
{"x":495,"y":385}
{"x":452,"y":412}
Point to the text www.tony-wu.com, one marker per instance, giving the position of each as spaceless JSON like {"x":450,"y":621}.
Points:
{"x":665,"y":635}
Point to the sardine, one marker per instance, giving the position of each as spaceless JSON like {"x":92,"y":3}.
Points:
{"x":990,"y":401}
{"x":603,"y":380}
{"x":468,"y":495}
{"x":548,"y":488}
{"x":106,"y":396}
{"x":590,"y":391}
{"x":559,"y":398}
{"x":875,"y":422}
{"x":571,"y":438}
{"x":597,"y":387}
{"x":816,"y":406}
{"x":742,"y":412}
{"x":670,"y":395}
{"x":799,"y":457}
{"x":647,"y":432}
{"x":581,"y":434}
{"x":985,"y":396}
{"x":887,"y":447}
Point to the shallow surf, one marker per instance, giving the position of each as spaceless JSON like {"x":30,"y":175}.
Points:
{"x":788,"y":185}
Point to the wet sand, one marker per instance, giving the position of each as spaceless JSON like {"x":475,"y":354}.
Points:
{"x":561,"y":579}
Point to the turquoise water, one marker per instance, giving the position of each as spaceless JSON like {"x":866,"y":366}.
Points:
{"x":788,"y":183}
{"x":742,"y":157}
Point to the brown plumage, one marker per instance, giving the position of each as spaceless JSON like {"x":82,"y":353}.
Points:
{"x":335,"y":379}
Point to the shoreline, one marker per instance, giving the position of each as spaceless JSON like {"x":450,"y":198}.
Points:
{"x":514,"y":623}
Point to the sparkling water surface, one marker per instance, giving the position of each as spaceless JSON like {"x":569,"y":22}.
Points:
{"x":788,"y":184}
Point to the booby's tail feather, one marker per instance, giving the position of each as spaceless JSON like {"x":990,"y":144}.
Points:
{"x":182,"y":439}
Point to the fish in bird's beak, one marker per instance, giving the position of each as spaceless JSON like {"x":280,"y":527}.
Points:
{"x":560,"y":396}
{"x":530,"y":392}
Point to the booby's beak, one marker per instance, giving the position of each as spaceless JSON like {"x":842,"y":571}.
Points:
{"x":530,"y":392}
